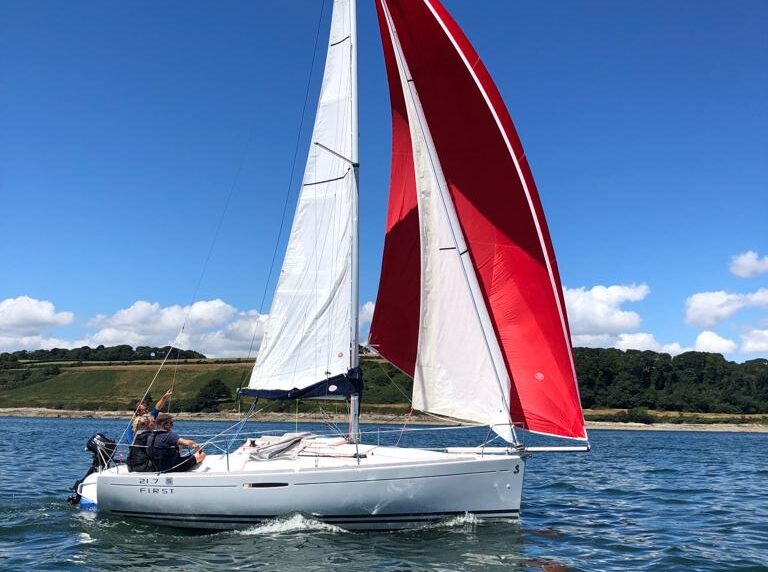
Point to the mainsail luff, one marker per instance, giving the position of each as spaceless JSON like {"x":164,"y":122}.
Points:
{"x":309,"y":344}
{"x":500,"y":214}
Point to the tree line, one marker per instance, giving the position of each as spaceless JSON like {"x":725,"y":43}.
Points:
{"x":610,"y":378}
{"x":100,"y":353}
{"x":692,"y":381}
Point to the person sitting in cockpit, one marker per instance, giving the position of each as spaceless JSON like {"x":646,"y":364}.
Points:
{"x":138,"y":457}
{"x":163,"y":448}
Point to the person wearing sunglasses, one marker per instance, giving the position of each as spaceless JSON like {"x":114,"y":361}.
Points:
{"x":164,"y":447}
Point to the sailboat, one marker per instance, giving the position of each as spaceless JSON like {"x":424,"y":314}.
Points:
{"x":469,"y":304}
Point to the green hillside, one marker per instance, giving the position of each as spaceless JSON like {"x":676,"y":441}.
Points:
{"x":693,"y":382}
{"x":116,"y":387}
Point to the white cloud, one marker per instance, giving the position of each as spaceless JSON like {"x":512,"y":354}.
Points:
{"x":593,"y":340}
{"x":674,"y":349}
{"x":645,"y":341}
{"x":707,"y":309}
{"x":598,"y":320}
{"x":27,"y":317}
{"x":754,"y":341}
{"x":748,"y":264}
{"x":708,"y":341}
{"x":365,"y":317}
{"x":240,"y":338}
{"x":212,"y":327}
{"x":597,"y":311}
{"x":151,"y":319}
{"x":366,"y":312}
{"x":14,"y":343}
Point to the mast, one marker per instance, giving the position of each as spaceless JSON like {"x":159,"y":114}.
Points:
{"x":354,"y":353}
{"x":354,"y":157}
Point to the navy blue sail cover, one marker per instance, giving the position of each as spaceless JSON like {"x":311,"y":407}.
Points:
{"x":336,"y":387}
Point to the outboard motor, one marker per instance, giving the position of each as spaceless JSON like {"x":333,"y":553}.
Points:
{"x":103,"y":449}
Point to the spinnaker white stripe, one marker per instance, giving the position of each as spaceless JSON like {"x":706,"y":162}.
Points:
{"x":539,"y":231}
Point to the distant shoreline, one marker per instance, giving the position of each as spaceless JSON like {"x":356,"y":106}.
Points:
{"x":382,"y":418}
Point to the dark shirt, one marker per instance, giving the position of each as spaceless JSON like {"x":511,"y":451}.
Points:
{"x":138,"y":456}
{"x":163,"y":450}
{"x":166,"y":439}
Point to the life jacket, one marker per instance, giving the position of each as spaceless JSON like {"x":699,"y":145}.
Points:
{"x":139,"y":460}
{"x":163,"y":457}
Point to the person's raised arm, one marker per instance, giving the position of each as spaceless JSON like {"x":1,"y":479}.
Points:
{"x":162,"y":401}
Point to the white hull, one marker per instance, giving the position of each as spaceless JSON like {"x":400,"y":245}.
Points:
{"x":387,"y":488}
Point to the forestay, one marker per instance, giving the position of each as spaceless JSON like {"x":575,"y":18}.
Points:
{"x":309,"y":343}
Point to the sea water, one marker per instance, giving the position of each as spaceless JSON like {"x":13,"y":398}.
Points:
{"x":640,"y":500}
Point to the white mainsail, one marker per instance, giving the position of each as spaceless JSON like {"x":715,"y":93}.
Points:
{"x":311,"y":333}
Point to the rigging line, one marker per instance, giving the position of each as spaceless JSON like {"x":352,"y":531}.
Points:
{"x":293,"y":163}
{"x":405,"y":425}
{"x":339,"y":155}
{"x":240,"y":427}
{"x":240,"y":422}
{"x":173,"y":379}
{"x":378,"y":431}
{"x":290,"y":181}
{"x":393,"y":382}
{"x":143,"y":397}
{"x":331,"y":423}
{"x":290,"y":184}
{"x":217,"y":232}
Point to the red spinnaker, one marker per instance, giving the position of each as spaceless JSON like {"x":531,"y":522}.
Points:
{"x":499,"y":211}
{"x":395,"y":324}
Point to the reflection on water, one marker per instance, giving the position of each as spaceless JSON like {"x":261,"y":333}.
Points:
{"x":639,"y":501}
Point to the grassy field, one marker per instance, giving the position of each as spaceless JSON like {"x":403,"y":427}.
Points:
{"x":113,"y":387}
{"x":117,"y":386}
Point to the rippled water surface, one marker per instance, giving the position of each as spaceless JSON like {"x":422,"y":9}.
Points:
{"x":638,"y":501}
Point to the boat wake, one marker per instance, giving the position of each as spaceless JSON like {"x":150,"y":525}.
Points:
{"x":467,"y":520}
{"x":290,"y":524}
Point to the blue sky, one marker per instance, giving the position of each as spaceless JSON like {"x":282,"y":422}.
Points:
{"x":125,"y":127}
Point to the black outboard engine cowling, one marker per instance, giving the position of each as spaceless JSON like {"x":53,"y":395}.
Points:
{"x":103,"y":449}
